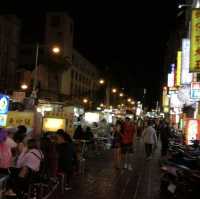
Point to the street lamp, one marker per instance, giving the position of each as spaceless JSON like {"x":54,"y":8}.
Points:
{"x":132,"y":102}
{"x":114,"y":90}
{"x":55,"y":50}
{"x":121,"y":95}
{"x":184,"y":5}
{"x":101,"y":81}
{"x":85,"y":100}
{"x":129,"y":100}
{"x":24,"y":86}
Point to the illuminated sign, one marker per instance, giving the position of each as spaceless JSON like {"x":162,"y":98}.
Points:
{"x":195,"y":90}
{"x":178,"y":69}
{"x":195,"y":41}
{"x":171,"y":76}
{"x":165,"y":100}
{"x":4,"y":104}
{"x":186,"y":76}
{"x":192,"y":132}
{"x":91,"y":117}
{"x":53,"y":124}
{"x":170,"y":80}
{"x":14,"y":119}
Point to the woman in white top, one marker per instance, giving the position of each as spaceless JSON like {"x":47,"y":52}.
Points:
{"x":28,"y":163}
{"x":150,"y":139}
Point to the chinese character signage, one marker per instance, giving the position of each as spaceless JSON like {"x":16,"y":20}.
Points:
{"x":186,"y":76}
{"x":195,"y":42}
{"x":195,"y":90}
{"x":170,"y":80}
{"x":4,"y":104}
{"x":178,"y":69}
{"x":15,"y":119}
{"x":171,"y":76}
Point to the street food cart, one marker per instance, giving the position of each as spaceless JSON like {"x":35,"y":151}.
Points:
{"x":54,"y":121}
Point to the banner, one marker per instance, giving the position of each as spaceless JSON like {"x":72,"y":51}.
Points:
{"x":195,"y":41}
{"x":186,"y":76}
{"x":178,"y":69}
{"x":15,"y":119}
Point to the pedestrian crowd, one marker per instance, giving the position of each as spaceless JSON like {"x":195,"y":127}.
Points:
{"x":150,"y":131}
{"x":23,"y":157}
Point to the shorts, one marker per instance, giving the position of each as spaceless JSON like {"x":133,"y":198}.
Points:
{"x":127,"y":148}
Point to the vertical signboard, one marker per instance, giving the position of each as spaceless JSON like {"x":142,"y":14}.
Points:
{"x":186,"y":76}
{"x":195,"y":41}
{"x":170,"y":80}
{"x":178,"y":69}
{"x":195,"y":90}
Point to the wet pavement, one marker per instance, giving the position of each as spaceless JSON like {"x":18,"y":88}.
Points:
{"x":102,"y":181}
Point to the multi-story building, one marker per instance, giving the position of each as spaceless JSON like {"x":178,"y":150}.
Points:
{"x":60,"y":31}
{"x":81,"y":80}
{"x":75,"y":76}
{"x":9,"y":48}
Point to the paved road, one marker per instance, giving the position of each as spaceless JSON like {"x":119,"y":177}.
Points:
{"x":101,"y":181}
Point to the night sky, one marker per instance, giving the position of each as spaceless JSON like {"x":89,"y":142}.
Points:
{"x":128,"y":39}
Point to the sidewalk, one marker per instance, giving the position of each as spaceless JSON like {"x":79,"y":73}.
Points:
{"x":101,"y":181}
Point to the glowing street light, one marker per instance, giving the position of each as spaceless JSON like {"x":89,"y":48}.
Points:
{"x":85,"y":100}
{"x":24,"y":86}
{"x":132,"y":102}
{"x":56,"y":50}
{"x":129,"y":100}
{"x":121,"y":94}
{"x":101,"y":81}
{"x":114,"y":90}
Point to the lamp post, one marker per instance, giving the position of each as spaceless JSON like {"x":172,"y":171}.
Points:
{"x":55,"y":50}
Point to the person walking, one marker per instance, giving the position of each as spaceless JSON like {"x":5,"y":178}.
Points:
{"x":116,"y":144}
{"x":150,"y":139}
{"x":164,"y":137}
{"x":66,"y":156}
{"x":127,"y":135}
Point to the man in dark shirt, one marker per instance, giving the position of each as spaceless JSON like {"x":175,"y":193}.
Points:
{"x":66,"y":156}
{"x":164,"y":137}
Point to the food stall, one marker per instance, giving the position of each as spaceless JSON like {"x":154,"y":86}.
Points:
{"x":53,"y":121}
{"x":31,"y":120}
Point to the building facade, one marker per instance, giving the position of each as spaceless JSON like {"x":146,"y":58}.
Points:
{"x":65,"y":76}
{"x":9,"y":51}
{"x":81,"y":79}
{"x":60,"y":32}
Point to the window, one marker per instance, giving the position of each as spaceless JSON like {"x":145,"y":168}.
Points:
{"x":55,"y":21}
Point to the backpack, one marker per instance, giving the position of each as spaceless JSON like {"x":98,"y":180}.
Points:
{"x":42,"y":174}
